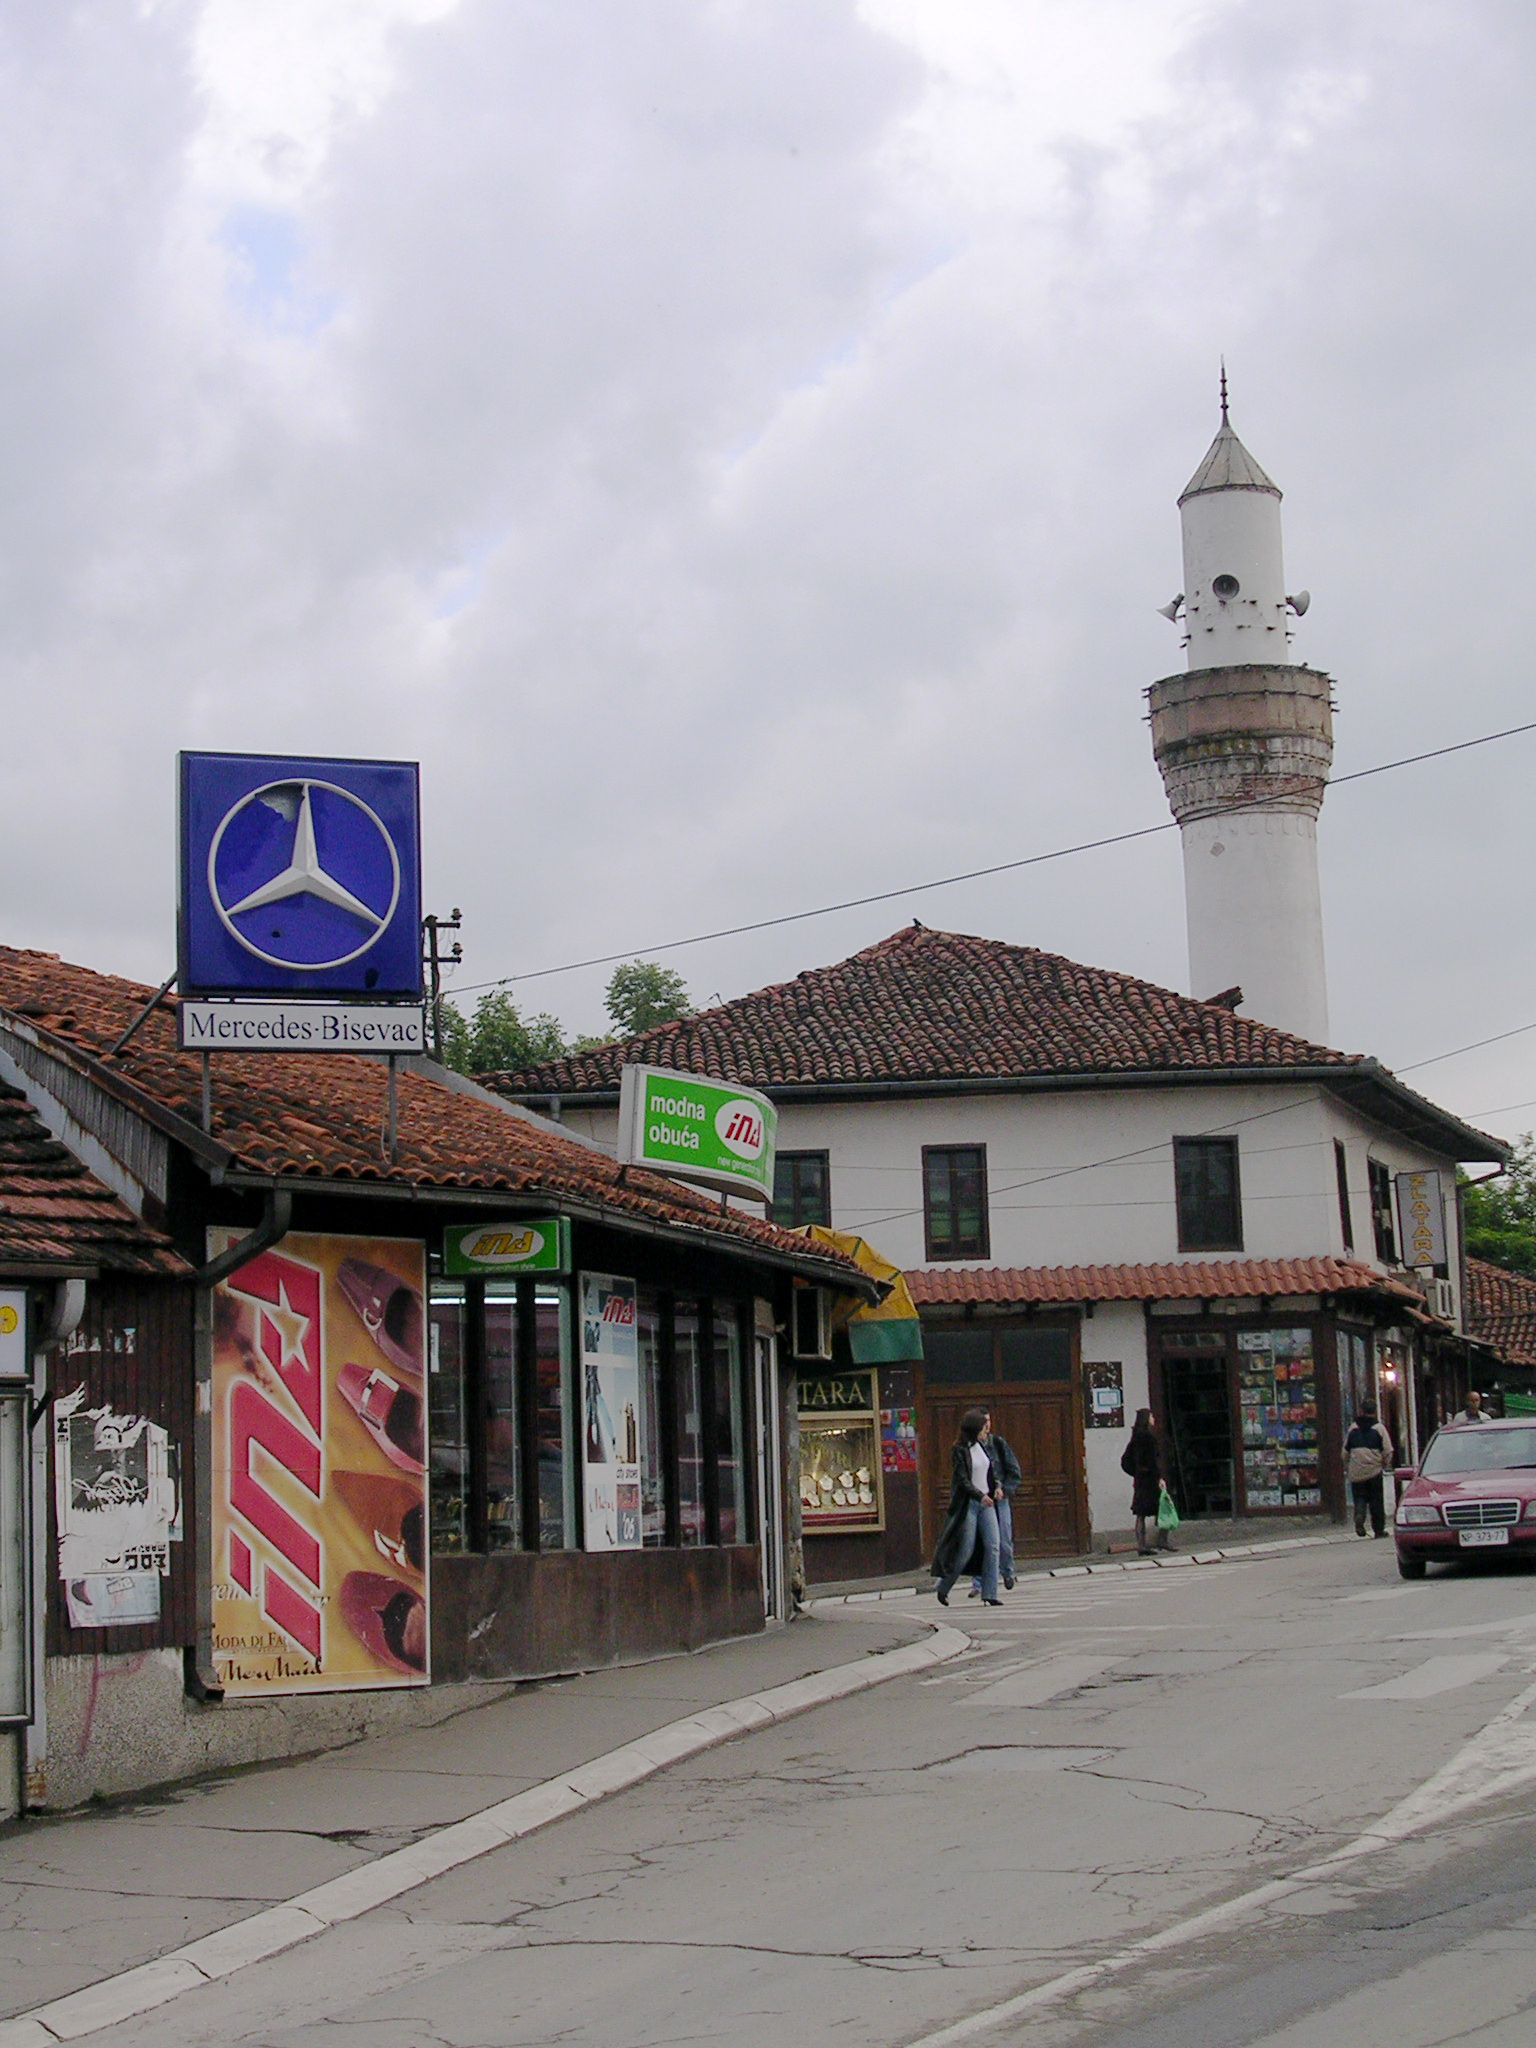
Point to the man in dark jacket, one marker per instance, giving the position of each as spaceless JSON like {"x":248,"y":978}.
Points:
{"x":1009,"y":1475}
{"x":1367,"y":1459}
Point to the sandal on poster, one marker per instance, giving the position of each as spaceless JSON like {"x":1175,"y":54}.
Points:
{"x":392,"y":1510}
{"x":390,"y":1311}
{"x":388,"y":1619}
{"x":390,"y":1413}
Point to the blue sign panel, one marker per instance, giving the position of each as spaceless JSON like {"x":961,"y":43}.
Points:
{"x":299,"y":876}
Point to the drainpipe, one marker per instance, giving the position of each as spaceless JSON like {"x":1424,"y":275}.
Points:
{"x":201,"y":1679}
{"x":63,"y":1320}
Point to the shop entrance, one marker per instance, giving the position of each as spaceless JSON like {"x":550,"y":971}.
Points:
{"x":1027,"y":1378}
{"x":1197,"y":1430}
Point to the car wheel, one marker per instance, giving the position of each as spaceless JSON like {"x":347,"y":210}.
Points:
{"x":1411,"y":1567}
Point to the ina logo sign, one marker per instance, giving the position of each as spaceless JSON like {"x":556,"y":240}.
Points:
{"x":739,"y":1126}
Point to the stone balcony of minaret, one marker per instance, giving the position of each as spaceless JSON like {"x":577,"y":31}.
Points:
{"x":1253,"y":734}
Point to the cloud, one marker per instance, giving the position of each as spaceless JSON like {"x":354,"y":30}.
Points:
{"x":735,"y":451}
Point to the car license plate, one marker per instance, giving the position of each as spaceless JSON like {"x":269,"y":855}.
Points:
{"x":1481,"y":1539}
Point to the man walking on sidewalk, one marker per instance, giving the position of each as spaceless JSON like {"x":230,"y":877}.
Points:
{"x":1367,"y":1454}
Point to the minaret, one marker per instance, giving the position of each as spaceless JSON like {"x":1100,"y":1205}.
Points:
{"x":1244,"y":742}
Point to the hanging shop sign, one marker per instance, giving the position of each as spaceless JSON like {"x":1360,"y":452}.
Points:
{"x":299,"y":877}
{"x":301,"y":1027}
{"x":14,"y":1362}
{"x":1421,"y":1215}
{"x":697,"y":1129}
{"x":520,"y":1244}
{"x":319,"y":1467}
{"x":610,"y":1409}
{"x":841,"y":1455}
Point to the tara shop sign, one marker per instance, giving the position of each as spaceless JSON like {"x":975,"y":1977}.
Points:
{"x":696,"y":1129}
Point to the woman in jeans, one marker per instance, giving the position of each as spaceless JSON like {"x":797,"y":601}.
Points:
{"x":968,"y":1540}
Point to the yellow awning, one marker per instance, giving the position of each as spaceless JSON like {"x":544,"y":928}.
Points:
{"x":887,"y":1331}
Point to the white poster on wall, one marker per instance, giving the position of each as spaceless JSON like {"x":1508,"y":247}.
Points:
{"x":115,"y":1503}
{"x":610,"y":1412}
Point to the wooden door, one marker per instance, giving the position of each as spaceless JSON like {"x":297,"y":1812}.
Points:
{"x":1043,"y":1426}
{"x":1041,"y":1418}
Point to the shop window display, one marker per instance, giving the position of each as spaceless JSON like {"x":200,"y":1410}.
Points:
{"x":1277,"y":1390}
{"x":840,"y":1463}
{"x":449,"y":1492}
{"x":728,"y":1429}
{"x":503,"y":1522}
{"x":690,"y":1423}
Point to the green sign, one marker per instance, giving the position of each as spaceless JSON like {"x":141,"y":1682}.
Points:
{"x":694,"y":1129}
{"x":517,"y":1244}
{"x":832,"y":1393}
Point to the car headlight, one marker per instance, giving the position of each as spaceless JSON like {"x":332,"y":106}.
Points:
{"x":1530,"y":1511}
{"x":1417,"y":1512}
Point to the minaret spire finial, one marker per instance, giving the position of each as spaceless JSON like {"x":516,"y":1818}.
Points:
{"x":1223,"y":391}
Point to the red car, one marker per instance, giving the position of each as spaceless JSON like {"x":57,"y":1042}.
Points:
{"x":1474,"y":1491}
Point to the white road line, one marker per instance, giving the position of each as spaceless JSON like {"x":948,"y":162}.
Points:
{"x":1437,"y":1675}
{"x":268,"y":1933}
{"x":1495,"y":1763}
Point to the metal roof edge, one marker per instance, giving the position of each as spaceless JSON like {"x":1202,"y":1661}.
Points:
{"x":827,"y":1272}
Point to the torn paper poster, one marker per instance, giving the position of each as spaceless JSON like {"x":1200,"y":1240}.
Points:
{"x":115,"y":1501}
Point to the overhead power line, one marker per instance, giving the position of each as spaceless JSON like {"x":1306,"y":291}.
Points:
{"x":1003,"y":867}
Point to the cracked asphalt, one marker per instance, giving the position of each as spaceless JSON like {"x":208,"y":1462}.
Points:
{"x":1113,"y":1754}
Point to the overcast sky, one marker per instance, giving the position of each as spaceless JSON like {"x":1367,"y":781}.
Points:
{"x":734,"y":447}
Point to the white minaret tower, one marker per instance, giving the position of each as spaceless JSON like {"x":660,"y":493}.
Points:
{"x":1244,"y":741}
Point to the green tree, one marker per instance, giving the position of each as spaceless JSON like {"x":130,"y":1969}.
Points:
{"x":498,"y":1037}
{"x":641,"y":994}
{"x":1501,"y":1214}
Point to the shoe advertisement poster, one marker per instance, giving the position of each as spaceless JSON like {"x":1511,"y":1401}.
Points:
{"x":610,"y":1412}
{"x":320,"y":1467}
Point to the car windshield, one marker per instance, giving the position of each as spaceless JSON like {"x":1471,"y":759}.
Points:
{"x":1479,"y":1450}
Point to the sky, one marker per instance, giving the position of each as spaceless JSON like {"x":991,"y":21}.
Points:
{"x":734,"y":448}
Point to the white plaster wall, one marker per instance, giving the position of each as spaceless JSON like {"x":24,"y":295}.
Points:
{"x":1254,"y":914}
{"x":1085,"y":1177}
{"x":1115,"y":1330}
{"x":1234,"y":533}
{"x":1081,"y":1177}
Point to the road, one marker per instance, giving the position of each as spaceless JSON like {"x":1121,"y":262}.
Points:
{"x":1114,"y":1756}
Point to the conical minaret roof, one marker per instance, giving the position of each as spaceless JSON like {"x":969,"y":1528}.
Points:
{"x":1228,"y":467}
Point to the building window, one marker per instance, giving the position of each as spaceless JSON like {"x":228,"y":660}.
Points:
{"x":955,"y":1201}
{"x":802,"y":1189}
{"x":1209,"y":1200}
{"x":1380,"y":1178}
{"x":1346,"y":1221}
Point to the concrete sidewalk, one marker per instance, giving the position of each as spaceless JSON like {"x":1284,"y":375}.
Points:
{"x":86,"y":1895}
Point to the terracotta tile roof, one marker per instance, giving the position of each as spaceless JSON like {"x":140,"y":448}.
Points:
{"x":54,"y":1213}
{"x":935,"y":1006}
{"x":1501,"y":1309}
{"x":322,"y":1117}
{"x":1197,"y":1280}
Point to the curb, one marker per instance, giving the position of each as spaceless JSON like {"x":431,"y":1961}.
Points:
{"x":1161,"y":1561}
{"x":252,"y":1940}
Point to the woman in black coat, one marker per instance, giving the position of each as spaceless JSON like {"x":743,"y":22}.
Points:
{"x":968,"y":1540}
{"x":1142,"y":1461}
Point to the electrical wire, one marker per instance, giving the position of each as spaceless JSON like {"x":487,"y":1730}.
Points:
{"x":1004,"y":867}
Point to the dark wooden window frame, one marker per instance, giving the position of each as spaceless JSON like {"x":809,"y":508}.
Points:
{"x":1383,"y":1226}
{"x":796,"y":1216}
{"x":982,"y":1248}
{"x":1346,"y":1219}
{"x":1190,"y":1239}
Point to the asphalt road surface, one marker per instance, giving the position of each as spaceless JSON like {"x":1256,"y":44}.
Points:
{"x":1145,"y":1810}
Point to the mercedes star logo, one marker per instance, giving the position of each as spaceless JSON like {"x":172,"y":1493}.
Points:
{"x":283,"y":899}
